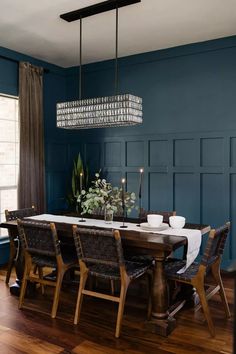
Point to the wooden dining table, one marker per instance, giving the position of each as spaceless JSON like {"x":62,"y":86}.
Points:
{"x":138,"y":242}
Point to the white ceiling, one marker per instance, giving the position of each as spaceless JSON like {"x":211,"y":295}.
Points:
{"x":34,"y":27}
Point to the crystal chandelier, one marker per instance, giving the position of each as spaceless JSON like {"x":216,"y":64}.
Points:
{"x":100,"y":112}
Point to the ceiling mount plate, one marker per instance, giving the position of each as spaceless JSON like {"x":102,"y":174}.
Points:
{"x":96,"y":9}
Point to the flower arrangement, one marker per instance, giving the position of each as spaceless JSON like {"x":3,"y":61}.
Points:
{"x":102,"y":196}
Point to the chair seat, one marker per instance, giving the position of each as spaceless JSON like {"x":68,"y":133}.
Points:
{"x":133,"y":269}
{"x":45,"y":261}
{"x":172,"y":267}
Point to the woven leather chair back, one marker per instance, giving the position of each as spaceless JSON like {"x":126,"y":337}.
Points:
{"x":20,"y":213}
{"x":215,"y":244}
{"x":98,"y":246}
{"x":38,"y":238}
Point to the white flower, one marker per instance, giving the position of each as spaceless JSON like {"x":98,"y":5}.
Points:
{"x":103,"y":195}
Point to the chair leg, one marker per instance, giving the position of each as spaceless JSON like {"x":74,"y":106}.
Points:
{"x":40,"y":271}
{"x":123,"y":292}
{"x":202,"y":296}
{"x":24,"y":283}
{"x":215,"y":268}
{"x":83,"y":279}
{"x":60,"y":275}
{"x":10,"y":263}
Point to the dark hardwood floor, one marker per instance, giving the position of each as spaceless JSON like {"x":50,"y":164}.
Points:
{"x":27,"y":331}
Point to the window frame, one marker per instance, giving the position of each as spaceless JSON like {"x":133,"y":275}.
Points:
{"x":17,"y":141}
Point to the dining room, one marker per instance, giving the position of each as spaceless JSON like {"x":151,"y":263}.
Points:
{"x":118,"y":176}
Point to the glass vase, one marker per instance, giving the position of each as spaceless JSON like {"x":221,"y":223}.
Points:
{"x":108,"y":216}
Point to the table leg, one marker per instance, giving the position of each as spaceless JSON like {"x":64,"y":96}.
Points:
{"x":160,"y":323}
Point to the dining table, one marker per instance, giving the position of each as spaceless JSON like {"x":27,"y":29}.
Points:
{"x":135,"y":241}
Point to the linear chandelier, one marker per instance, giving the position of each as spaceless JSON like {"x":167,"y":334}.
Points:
{"x":100,"y":112}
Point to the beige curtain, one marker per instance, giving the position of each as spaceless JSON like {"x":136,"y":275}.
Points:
{"x":31,"y":189}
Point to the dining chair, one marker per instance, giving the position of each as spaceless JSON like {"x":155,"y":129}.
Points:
{"x":42,"y":248}
{"x":100,"y":254}
{"x":14,"y":240}
{"x":195,"y":274}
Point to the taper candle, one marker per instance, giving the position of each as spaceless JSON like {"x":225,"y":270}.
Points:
{"x":123,"y":192}
{"x":140,"y":183}
{"x":81,"y":188}
{"x":81,"y":181}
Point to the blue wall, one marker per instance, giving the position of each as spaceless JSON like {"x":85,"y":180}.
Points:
{"x":187,"y":143}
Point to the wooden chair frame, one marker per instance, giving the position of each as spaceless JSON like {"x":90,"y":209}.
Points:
{"x":29,"y":268}
{"x":124,"y":279}
{"x":198,"y":281}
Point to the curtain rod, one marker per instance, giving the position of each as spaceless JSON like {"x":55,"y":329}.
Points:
{"x":17,"y":61}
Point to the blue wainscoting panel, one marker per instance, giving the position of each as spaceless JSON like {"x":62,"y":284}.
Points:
{"x":93,"y":156}
{"x":57,"y":190}
{"x":213,"y":199}
{"x":212,"y":152}
{"x":158,"y":153}
{"x":184,"y":152}
{"x":160,"y":192}
{"x":132,"y":182}
{"x":112,"y":154}
{"x":114,"y":178}
{"x":134,"y":153}
{"x":186,"y":197}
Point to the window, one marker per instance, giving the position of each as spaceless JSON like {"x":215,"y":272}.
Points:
{"x":9,"y":155}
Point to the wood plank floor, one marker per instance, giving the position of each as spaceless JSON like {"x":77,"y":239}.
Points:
{"x":28,"y":331}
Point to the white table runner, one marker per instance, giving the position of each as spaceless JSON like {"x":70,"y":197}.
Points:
{"x":194,"y":237}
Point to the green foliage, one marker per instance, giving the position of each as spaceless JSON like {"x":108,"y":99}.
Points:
{"x":78,"y":182}
{"x":102,"y":195}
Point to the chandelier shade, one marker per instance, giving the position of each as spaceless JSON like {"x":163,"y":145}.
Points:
{"x":100,"y":112}
{"x":110,"y":111}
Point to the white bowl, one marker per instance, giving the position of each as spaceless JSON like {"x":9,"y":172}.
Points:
{"x":154,"y":220}
{"x":177,"y":222}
